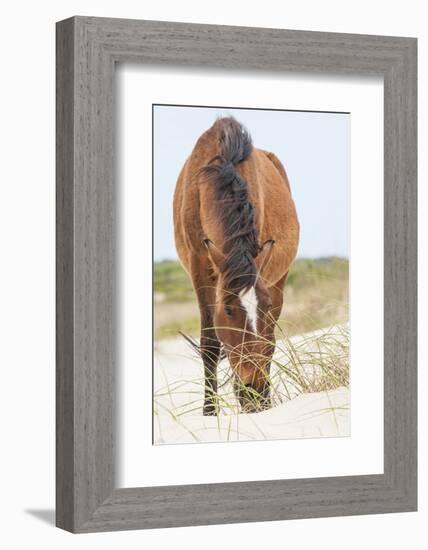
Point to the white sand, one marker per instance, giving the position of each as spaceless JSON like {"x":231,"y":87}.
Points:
{"x":179,"y":389}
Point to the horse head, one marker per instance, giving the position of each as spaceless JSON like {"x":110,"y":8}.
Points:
{"x":244,"y":324}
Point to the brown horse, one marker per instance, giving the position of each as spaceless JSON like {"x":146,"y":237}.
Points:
{"x":236,"y":233}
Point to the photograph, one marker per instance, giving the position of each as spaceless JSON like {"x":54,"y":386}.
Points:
{"x":210,"y":266}
{"x":251,"y":251}
{"x":210,"y":275}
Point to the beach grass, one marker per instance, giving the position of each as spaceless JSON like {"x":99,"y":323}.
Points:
{"x":310,"y":363}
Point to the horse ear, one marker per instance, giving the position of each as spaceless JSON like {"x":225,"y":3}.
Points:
{"x":216,"y":255}
{"x":265,"y":254}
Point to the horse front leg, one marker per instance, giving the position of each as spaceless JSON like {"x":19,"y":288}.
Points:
{"x":210,"y":352}
{"x":277,"y":297}
{"x":204,"y":285}
{"x":266,"y":397}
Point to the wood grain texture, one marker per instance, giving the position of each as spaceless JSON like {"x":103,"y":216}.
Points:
{"x":64,"y":277}
{"x":87,"y":49}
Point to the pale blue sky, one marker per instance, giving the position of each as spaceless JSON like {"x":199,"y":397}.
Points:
{"x":314,"y":148}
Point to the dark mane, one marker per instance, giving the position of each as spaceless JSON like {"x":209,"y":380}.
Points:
{"x":233,"y":206}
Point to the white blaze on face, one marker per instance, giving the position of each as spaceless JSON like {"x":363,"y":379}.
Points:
{"x":249,"y":302}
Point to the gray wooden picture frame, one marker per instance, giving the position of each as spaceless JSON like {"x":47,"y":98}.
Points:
{"x":87,"y":51}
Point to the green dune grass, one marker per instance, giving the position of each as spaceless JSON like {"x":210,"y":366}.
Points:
{"x":315,"y":296}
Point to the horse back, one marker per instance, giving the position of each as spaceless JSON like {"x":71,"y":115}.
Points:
{"x":196,"y":212}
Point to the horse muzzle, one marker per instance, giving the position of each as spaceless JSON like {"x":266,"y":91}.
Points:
{"x":253,"y":401}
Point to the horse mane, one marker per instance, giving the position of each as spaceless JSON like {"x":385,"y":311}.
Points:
{"x":233,"y":206}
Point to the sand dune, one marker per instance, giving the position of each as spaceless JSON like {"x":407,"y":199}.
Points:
{"x":178,"y":389}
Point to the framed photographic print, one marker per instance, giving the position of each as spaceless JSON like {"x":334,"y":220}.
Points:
{"x":236,"y":274}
